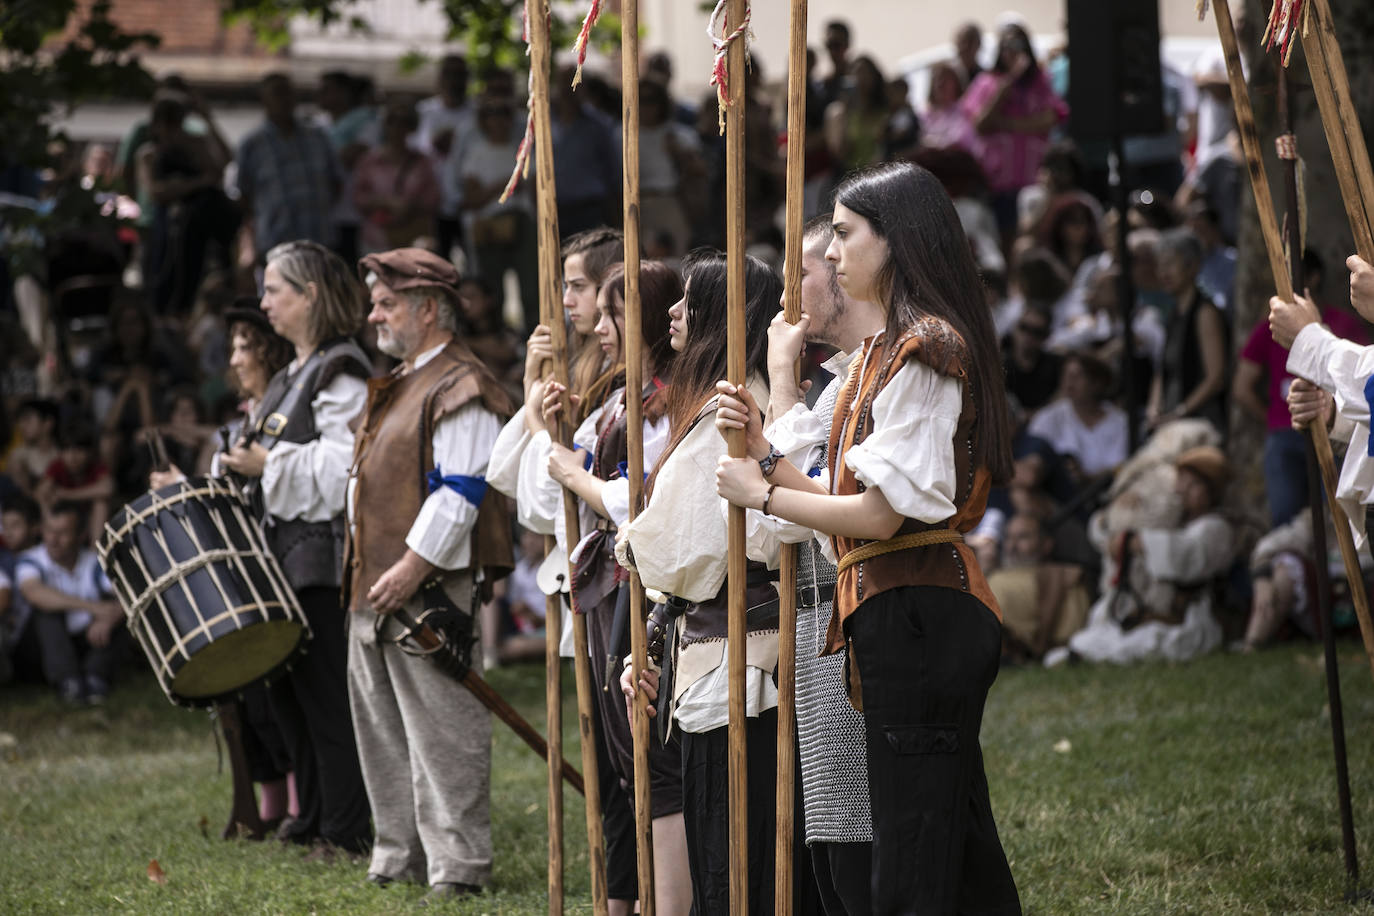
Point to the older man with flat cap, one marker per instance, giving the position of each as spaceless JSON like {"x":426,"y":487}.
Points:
{"x":422,"y":531}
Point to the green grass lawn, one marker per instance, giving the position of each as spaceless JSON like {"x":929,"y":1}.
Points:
{"x":1205,"y":788}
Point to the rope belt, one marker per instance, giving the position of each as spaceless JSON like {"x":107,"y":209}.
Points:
{"x":905,"y":542}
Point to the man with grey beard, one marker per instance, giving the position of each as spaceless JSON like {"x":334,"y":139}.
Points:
{"x":421,"y":529}
{"x":830,"y":733}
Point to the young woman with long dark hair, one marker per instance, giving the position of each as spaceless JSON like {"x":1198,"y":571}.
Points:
{"x":920,"y":435}
{"x":604,"y":493}
{"x":678,"y":544}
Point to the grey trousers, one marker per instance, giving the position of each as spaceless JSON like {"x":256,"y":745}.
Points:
{"x":424,"y":742}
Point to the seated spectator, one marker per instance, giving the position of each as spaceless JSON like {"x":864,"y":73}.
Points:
{"x":19,"y":525}
{"x":1061,"y":171}
{"x":80,"y":629}
{"x":1082,"y":424}
{"x":78,"y":476}
{"x":513,"y":624}
{"x":1217,"y":278}
{"x":1038,"y":278}
{"x":1032,"y":371}
{"x":1264,"y":362}
{"x":1043,"y":602}
{"x":1160,"y":602}
{"x":1193,"y":377}
{"x":395,"y":188}
{"x":1283,"y":578}
{"x":36,"y":449}
{"x":1070,"y":231}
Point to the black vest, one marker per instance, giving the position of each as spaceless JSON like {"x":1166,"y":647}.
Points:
{"x":310,"y":552}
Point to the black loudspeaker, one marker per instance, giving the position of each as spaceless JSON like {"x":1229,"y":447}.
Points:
{"x":1115,"y":84}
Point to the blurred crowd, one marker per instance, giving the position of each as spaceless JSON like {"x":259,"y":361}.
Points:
{"x":1092,"y":549}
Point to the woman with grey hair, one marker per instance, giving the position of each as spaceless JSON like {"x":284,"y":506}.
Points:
{"x":1192,"y":378}
{"x":296,"y":458}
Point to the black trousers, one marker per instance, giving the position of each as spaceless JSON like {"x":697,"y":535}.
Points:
{"x":311,"y":705}
{"x":925,"y":658}
{"x":66,"y":655}
{"x":842,"y":874}
{"x":706,"y":814}
{"x":617,"y":820}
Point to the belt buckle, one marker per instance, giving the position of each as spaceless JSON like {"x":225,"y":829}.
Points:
{"x":808,"y":596}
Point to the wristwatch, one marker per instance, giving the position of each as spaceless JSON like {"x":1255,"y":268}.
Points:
{"x":769,"y":463}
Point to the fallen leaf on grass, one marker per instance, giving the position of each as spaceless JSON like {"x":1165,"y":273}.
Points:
{"x":204,"y":825}
{"x":155,"y":873}
{"x":531,"y":809}
{"x":1063,"y":746}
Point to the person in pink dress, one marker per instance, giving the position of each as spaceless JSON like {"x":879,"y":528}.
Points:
{"x":1012,"y":109}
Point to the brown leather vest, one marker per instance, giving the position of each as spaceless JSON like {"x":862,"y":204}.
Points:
{"x":953,"y":565}
{"x":393,"y":453}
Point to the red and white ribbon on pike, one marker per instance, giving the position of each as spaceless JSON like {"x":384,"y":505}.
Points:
{"x":522,"y":152}
{"x":583,"y":37}
{"x":715,"y":28}
{"x":1285,"y":18}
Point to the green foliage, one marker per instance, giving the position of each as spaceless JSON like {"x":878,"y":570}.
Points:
{"x":1157,"y":789}
{"x":42,"y":81}
{"x":489,"y":30}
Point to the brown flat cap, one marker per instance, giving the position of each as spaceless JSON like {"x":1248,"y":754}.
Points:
{"x":1209,"y":463}
{"x":406,"y":268}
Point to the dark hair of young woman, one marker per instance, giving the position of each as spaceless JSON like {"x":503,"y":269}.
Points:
{"x":601,"y":249}
{"x":703,"y":362}
{"x":930,"y":272}
{"x":659,"y":288}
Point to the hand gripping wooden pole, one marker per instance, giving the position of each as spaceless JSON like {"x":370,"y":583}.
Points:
{"x":736,"y":630}
{"x":785,"y":838}
{"x":1273,"y":244}
{"x":1355,"y":175}
{"x":550,"y":300}
{"x":634,"y":429}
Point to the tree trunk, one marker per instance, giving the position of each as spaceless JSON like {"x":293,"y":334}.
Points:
{"x":1327,"y":229}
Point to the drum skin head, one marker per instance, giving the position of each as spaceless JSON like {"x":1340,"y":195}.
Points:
{"x":236,"y":659}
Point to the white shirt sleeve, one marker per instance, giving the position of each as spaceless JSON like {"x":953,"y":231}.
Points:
{"x":615,"y":495}
{"x":910,"y":454}
{"x":537,"y":497}
{"x":503,"y":468}
{"x":1191,"y":554}
{"x":307,"y":480}
{"x":27,"y":571}
{"x":800,"y":435}
{"x":1336,"y":365}
{"x":462,"y":443}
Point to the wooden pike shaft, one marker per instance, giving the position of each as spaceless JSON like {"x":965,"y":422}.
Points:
{"x":1254,"y":155}
{"x":1273,"y":243}
{"x":550,"y":301}
{"x":1341,"y":121}
{"x":784,"y":839}
{"x":633,"y":343}
{"x":735,"y":348}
